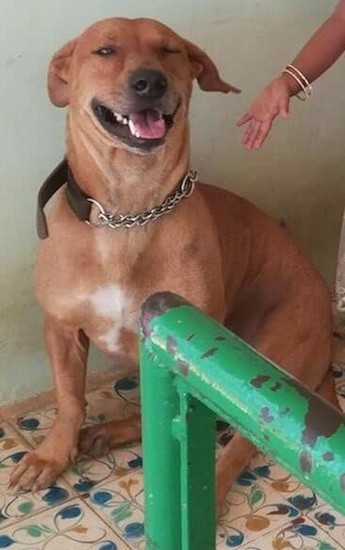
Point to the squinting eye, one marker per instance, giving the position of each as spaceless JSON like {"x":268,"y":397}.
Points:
{"x":170,"y":50}
{"x":105,"y":50}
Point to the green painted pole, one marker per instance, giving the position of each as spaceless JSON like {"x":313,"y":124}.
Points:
{"x":161,"y":450}
{"x":296,"y":427}
{"x":197,"y":435}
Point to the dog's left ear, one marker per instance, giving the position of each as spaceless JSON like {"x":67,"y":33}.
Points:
{"x":58,"y":74}
{"x":205,"y":71}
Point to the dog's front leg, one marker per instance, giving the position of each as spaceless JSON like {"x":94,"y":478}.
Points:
{"x":68,"y":350}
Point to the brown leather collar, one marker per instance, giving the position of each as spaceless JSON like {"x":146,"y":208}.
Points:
{"x":77,"y":199}
{"x":81,"y":204}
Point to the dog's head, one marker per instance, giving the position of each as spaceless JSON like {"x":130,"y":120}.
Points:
{"x":130,"y":81}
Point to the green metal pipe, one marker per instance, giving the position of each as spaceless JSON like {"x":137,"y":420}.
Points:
{"x":160,"y":403}
{"x":282,"y":417}
{"x":197,"y":436}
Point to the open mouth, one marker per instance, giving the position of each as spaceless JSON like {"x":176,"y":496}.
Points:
{"x":144,"y":129}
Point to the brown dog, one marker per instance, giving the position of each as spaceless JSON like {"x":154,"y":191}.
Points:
{"x":128,"y":84}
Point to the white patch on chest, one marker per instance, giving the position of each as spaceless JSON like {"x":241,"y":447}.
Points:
{"x":111,"y":303}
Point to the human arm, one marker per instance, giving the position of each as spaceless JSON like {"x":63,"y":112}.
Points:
{"x":320,"y":52}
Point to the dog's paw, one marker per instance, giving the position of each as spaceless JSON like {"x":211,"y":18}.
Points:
{"x":100,"y":439}
{"x":95,"y":440}
{"x":35,"y":471}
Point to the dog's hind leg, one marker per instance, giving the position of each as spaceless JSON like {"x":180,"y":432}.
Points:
{"x":327,"y":390}
{"x":235,"y":458}
{"x":296,"y":346}
{"x":98,"y":440}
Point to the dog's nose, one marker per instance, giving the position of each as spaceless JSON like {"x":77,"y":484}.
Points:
{"x":148,"y":83}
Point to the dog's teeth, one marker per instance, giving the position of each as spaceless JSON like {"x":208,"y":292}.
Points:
{"x":120,"y":118}
{"x":133,"y":130}
{"x":132,"y":127}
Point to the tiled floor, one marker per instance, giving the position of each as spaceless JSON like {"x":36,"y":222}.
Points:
{"x":98,"y":503}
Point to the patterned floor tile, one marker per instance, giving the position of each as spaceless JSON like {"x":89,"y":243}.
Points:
{"x":300,"y":534}
{"x":72,"y":526}
{"x":17,"y":506}
{"x":339,"y":377}
{"x":330,"y":521}
{"x":297,"y":494}
{"x":35,"y":426}
{"x":117,"y":400}
{"x":88,"y":472}
{"x":251,"y":509}
{"x":120,"y":503}
{"x":267,"y":507}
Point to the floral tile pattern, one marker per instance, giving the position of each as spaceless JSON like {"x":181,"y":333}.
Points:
{"x":117,"y":400}
{"x":297,"y":494}
{"x":339,"y":377}
{"x":98,"y":503}
{"x":88,"y":472}
{"x":13,"y":507}
{"x":251,"y":509}
{"x":300,"y":534}
{"x":72,"y":527}
{"x":330,"y":521}
{"x":120,"y":503}
{"x":34,"y":427}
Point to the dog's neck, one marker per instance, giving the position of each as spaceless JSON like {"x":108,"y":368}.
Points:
{"x":124,"y":181}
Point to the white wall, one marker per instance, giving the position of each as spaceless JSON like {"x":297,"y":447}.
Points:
{"x":300,"y":173}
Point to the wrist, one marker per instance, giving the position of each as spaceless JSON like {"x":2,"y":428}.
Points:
{"x":290,"y":84}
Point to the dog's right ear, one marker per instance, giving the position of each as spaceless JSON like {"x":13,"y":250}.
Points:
{"x":58,"y":74}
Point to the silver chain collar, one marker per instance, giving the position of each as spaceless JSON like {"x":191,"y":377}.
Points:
{"x":115,"y":221}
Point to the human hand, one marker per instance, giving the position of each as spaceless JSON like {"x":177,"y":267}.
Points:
{"x":272,"y":101}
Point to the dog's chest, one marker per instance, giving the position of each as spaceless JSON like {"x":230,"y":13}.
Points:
{"x":112,"y":317}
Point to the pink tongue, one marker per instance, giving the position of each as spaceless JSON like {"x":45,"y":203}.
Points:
{"x":148,"y":124}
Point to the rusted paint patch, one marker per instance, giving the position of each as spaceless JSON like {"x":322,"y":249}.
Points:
{"x":145,"y":320}
{"x":190,"y":337}
{"x":220,"y":338}
{"x":328,"y":457}
{"x":259,"y":380}
{"x":171,"y":345}
{"x":276,"y":386}
{"x":209,"y":353}
{"x":320,"y":421}
{"x":183,"y":366}
{"x":342,"y":482}
{"x":298,"y":386}
{"x":265,"y":415}
{"x":156,"y":305}
{"x":306,"y":462}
